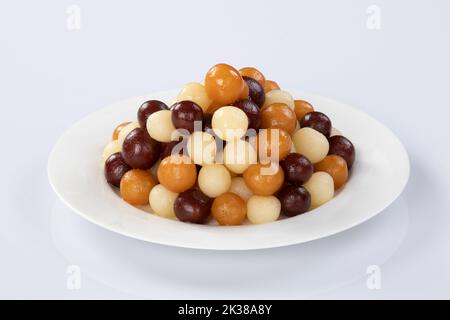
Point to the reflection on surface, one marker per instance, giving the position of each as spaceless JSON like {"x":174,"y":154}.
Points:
{"x":155,"y":271}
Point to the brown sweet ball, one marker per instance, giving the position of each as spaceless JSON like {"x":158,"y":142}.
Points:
{"x":336,"y":167}
{"x":270,"y":85}
{"x":278,"y":116}
{"x":223,"y":84}
{"x":254,"y":74}
{"x":117,"y":130}
{"x":177,"y":173}
{"x":270,"y":140}
{"x":264,"y":179}
{"x":136,"y":185}
{"x":229,"y":209}
{"x":301,"y":108}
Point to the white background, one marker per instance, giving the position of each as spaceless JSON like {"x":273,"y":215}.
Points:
{"x":51,"y":76}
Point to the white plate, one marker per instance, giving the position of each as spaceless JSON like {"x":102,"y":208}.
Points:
{"x":380,"y":173}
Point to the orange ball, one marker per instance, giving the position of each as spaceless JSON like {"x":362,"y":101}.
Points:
{"x":264,"y":179}
{"x":245,"y":92}
{"x":301,"y":108}
{"x":229,"y":209}
{"x":223,"y":84}
{"x":270,"y":85}
{"x":117,"y":130}
{"x":278,"y":116}
{"x":336,"y":167}
{"x":267,"y":143}
{"x":254,"y":74}
{"x":177,"y":173}
{"x":135,"y":187}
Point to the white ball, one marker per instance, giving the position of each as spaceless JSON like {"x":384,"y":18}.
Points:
{"x":214,"y":179}
{"x":311,"y":143}
{"x":238,"y":155}
{"x":279,"y":96}
{"x":263,"y":209}
{"x":202,"y":147}
{"x":239,"y":187}
{"x":111,"y":148}
{"x":320,"y":187}
{"x":161,"y":201}
{"x":229,"y":123}
{"x":195,"y":92}
{"x":125,"y":131}
{"x":160,"y":126}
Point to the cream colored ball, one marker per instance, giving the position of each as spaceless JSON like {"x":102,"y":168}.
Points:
{"x":311,"y":143}
{"x":202,"y":147}
{"x":229,"y":123}
{"x":160,"y":127}
{"x":321,"y":188}
{"x":279,"y":96}
{"x":238,"y":155}
{"x":195,"y":92}
{"x":239,"y":187}
{"x":161,"y":201}
{"x":263,"y":209}
{"x":125,"y":131}
{"x":111,"y":148}
{"x":214,"y":179}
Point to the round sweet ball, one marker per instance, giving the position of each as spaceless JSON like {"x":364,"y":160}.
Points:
{"x":125,"y":131}
{"x":111,"y":148}
{"x":162,"y":201}
{"x":270,"y":85}
{"x":160,"y":126}
{"x":302,"y":107}
{"x":195,"y":92}
{"x":318,"y":121}
{"x":336,"y":167}
{"x":202,"y":147}
{"x":255,"y":91}
{"x":263,"y":209}
{"x":253,"y":73}
{"x":229,"y":209}
{"x":238,"y":155}
{"x":279,"y":96}
{"x":264,"y":179}
{"x":341,"y":146}
{"x":223,"y":84}
{"x":229,"y":123}
{"x":294,"y":200}
{"x":115,"y":168}
{"x":297,"y":168}
{"x":192,"y":206}
{"x":252,"y":111}
{"x":139,"y":150}
{"x":187,"y":115}
{"x":177,"y":173}
{"x":136,"y":185}
{"x":239,"y":187}
{"x":117,"y":130}
{"x":214,"y":179}
{"x":278,"y":116}
{"x":311,"y":143}
{"x":273,"y":144}
{"x":147,"y":108}
{"x":321,"y":188}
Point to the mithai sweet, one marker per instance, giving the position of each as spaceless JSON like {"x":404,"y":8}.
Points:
{"x":233,"y":149}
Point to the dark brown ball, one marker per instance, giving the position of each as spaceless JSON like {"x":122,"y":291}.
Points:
{"x":255,"y":91}
{"x":147,"y":108}
{"x":115,"y":168}
{"x":167,"y":148}
{"x":297,"y":168}
{"x":192,"y":206}
{"x":341,"y":146}
{"x":294,"y":200}
{"x":317,"y":121}
{"x":252,"y":111}
{"x":139,"y":150}
{"x":184,"y":115}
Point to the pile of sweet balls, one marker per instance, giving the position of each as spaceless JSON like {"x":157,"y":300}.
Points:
{"x":215,"y":170}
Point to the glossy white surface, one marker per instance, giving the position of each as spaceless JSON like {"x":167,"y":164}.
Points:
{"x":377,"y":178}
{"x":52,"y":77}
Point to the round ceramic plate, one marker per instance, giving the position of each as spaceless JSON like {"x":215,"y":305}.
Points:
{"x":380,"y":173}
